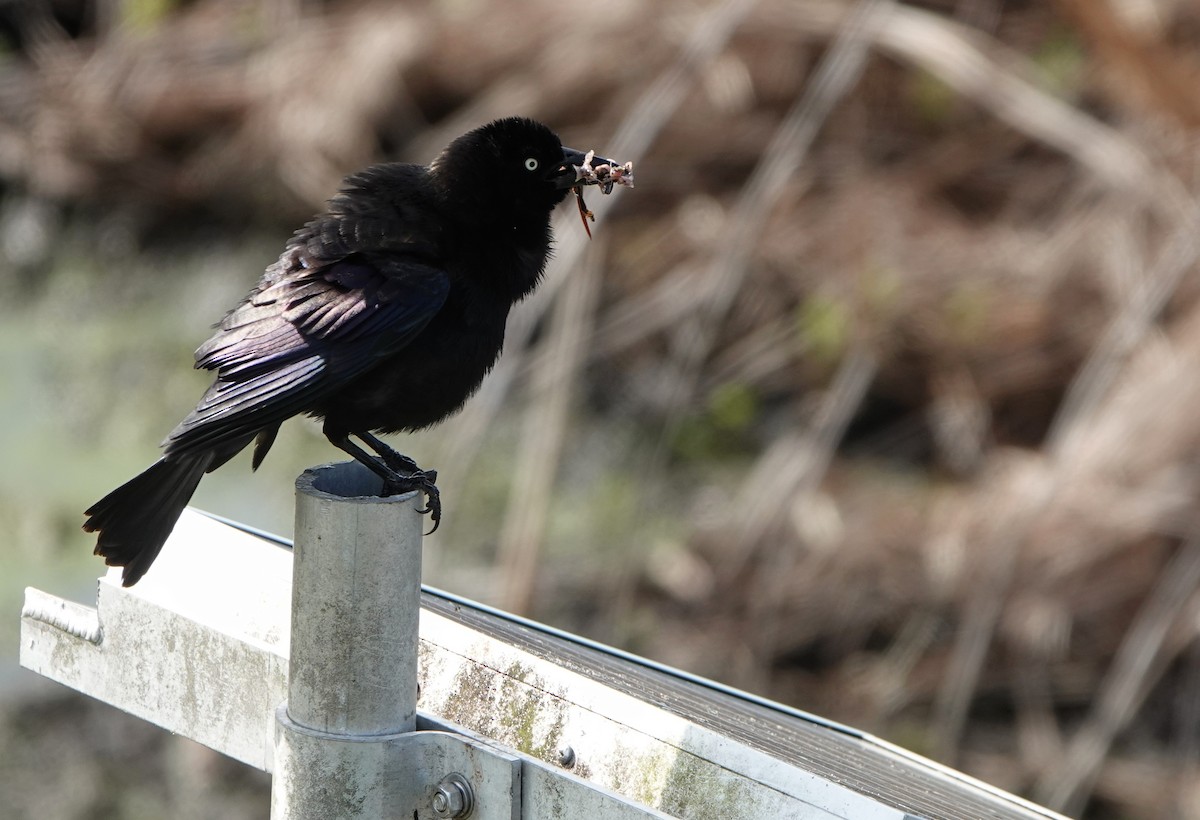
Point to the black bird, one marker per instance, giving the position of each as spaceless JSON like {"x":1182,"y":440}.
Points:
{"x":382,"y":314}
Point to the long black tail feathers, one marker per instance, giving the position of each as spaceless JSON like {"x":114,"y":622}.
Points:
{"x":134,"y":520}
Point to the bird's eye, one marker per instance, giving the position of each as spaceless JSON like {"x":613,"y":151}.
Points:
{"x":531,"y":164}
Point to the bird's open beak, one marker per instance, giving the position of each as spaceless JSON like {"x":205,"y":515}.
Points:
{"x":568,"y":174}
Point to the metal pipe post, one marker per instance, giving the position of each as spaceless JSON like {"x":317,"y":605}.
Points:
{"x":352,"y":681}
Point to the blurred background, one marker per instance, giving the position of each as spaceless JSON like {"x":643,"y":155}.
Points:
{"x":879,"y":395}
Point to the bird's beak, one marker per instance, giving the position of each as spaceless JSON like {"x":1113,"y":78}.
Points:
{"x":568,"y":175}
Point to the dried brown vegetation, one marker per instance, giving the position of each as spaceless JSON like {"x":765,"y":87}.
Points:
{"x":904,"y":311}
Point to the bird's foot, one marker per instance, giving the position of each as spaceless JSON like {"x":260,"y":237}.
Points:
{"x":396,"y":462}
{"x":422,"y":481}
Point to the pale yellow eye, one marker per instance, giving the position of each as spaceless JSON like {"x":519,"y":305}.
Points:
{"x":531,"y":164}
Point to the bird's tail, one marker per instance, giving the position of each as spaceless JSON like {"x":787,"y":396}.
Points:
{"x":134,"y":520}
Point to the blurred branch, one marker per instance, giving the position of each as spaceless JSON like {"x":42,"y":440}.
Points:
{"x":1133,"y":321}
{"x":1157,"y":77}
{"x":837,"y":73}
{"x":547,"y":410}
{"x":960,"y":58}
{"x":795,"y":464}
{"x":1109,"y":485}
{"x":1008,"y":506}
{"x":783,"y":484}
{"x":988,"y":74}
{"x":1139,"y":662}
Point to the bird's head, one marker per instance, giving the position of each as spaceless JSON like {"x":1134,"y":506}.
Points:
{"x":512,"y":163}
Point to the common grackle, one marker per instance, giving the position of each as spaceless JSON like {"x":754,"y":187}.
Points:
{"x":382,"y":314}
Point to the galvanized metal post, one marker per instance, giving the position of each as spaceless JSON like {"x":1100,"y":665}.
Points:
{"x":352,"y":682}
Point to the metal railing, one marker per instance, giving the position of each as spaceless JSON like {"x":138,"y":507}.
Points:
{"x":368,"y":698}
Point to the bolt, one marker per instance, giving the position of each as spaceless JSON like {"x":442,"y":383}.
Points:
{"x":566,"y":757}
{"x":453,"y":798}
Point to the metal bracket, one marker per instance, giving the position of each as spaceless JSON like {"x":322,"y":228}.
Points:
{"x":428,"y":775}
{"x":410,"y":769}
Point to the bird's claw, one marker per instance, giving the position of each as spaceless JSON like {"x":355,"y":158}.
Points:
{"x":423,"y":481}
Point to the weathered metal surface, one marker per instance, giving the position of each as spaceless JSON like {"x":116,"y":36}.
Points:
{"x":389,"y":777}
{"x":550,"y":793}
{"x":356,"y":595}
{"x":201,"y":647}
{"x":198,"y":647}
{"x":621,"y":743}
{"x":345,"y":736}
{"x":772,"y":744}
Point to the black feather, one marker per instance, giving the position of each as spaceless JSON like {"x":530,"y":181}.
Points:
{"x":382,"y":314}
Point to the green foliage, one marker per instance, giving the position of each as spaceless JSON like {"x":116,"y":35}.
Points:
{"x":932,"y":100}
{"x":1061,"y":62}
{"x":145,"y":15}
{"x":966,"y":312}
{"x":721,"y":428}
{"x":732,"y":407}
{"x":823,"y":326}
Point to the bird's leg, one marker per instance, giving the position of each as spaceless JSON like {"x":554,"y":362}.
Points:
{"x":412,"y":477}
{"x":397,"y":461}
{"x":393,"y":482}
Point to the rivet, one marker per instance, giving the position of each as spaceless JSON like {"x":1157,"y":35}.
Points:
{"x":566,"y":757}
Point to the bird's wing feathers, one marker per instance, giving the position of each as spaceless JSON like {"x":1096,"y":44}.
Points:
{"x":306,"y":330}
